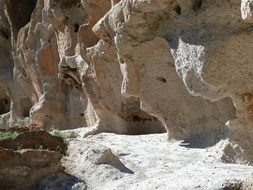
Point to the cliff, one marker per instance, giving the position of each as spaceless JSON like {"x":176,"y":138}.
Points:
{"x":131,"y":67}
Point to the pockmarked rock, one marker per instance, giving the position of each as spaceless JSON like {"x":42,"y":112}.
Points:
{"x":130,"y":67}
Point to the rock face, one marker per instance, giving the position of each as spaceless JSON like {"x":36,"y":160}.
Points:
{"x":34,"y":140}
{"x":217,"y":62}
{"x":22,"y":169}
{"x":130,"y":67}
{"x":28,"y":157}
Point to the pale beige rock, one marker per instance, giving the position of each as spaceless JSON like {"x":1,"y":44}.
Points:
{"x":216,"y":63}
{"x":246,"y":10}
{"x":148,"y":73}
{"x":132,"y":67}
{"x":116,"y":66}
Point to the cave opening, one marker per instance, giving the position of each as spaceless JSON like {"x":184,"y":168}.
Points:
{"x":76,"y":27}
{"x":139,"y":122}
{"x":4,"y":105}
{"x":26,"y":105}
{"x":20,"y":12}
{"x":177,"y":8}
{"x":161,"y":79}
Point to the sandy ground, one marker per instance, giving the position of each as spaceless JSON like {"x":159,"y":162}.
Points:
{"x":149,"y":162}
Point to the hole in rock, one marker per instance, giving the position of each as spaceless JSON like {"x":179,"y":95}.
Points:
{"x":139,"y":121}
{"x":197,"y":5}
{"x":4,"y":34}
{"x":6,"y":101}
{"x":142,"y":123}
{"x":4,"y":105}
{"x":76,"y":27}
{"x":26,"y":105}
{"x":177,"y":8}
{"x":161,"y":79}
{"x":20,"y":12}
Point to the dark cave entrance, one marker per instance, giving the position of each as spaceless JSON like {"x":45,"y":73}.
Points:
{"x":26,"y":105}
{"x":4,"y":105}
{"x":139,"y":122}
{"x":20,"y":12}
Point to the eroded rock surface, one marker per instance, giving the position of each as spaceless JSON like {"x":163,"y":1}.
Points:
{"x":22,"y":169}
{"x":103,"y":63}
{"x":130,"y":67}
{"x":27,"y":157}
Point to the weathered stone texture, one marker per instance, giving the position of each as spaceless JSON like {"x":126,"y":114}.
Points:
{"x":130,"y":66}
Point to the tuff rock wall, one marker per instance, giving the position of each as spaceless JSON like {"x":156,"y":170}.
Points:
{"x":130,"y":67}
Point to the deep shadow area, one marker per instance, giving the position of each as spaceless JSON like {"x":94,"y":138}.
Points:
{"x":110,"y":159}
{"x":124,"y":169}
{"x":203,"y":140}
{"x":20,"y":12}
{"x":26,"y":105}
{"x":60,"y":181}
{"x":4,"y":105}
{"x":118,"y":165}
{"x":139,"y":122}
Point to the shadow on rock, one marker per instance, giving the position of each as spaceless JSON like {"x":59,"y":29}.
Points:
{"x":105,"y":156}
{"x":61,"y":181}
{"x":202,"y":141}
